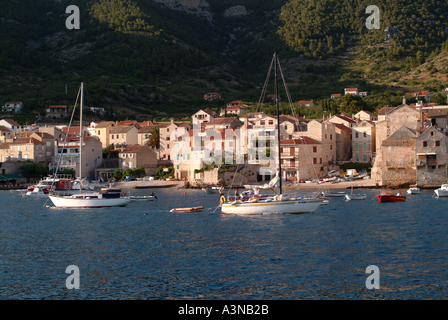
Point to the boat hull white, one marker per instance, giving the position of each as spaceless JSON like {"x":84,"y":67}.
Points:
{"x":441,"y":192}
{"x":355,"y":196}
{"x":88,"y":202}
{"x":277,"y":207}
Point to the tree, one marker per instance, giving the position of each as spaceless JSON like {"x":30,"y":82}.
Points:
{"x":154,"y":140}
{"x":33,"y":170}
{"x":351,"y":104}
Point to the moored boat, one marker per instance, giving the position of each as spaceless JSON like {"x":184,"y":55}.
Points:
{"x":187,"y":210}
{"x":442,"y":191}
{"x":390,"y":196}
{"x":108,"y":197}
{"x":414,"y":190}
{"x":280,"y":204}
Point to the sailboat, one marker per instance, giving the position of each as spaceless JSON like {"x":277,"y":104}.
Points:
{"x":108,"y":197}
{"x":280,"y":203}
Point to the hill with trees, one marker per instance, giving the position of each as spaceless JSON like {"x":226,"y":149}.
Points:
{"x":141,"y":59}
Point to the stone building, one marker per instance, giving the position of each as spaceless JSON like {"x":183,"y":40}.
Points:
{"x":431,"y":157}
{"x":301,"y":159}
{"x":397,"y":158}
{"x":403,"y":115}
{"x":139,"y":156}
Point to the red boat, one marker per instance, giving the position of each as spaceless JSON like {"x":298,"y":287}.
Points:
{"x":389,"y":196}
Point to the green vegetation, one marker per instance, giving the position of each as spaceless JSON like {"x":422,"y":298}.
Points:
{"x":33,"y":170}
{"x":164,"y":172}
{"x":141,"y":60}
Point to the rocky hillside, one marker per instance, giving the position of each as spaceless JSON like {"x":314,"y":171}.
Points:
{"x":157,"y":58}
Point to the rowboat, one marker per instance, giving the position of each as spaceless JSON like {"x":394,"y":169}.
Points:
{"x":187,"y":210}
{"x":142,"y":198}
{"x":389,"y":196}
{"x":334,"y":194}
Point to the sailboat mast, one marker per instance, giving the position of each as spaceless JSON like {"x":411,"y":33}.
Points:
{"x":81,"y":138}
{"x":278,"y":122}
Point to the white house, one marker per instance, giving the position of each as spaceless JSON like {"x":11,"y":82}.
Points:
{"x":352,"y":91}
{"x":11,"y":125}
{"x":14,"y":106}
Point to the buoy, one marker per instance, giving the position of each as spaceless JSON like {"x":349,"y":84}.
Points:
{"x":185,"y":193}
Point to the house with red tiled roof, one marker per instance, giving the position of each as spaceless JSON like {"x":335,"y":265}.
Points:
{"x":347,"y":121}
{"x":129,"y":123}
{"x":351,"y":91}
{"x":305,"y":103}
{"x":139,"y":156}
{"x":301,"y":158}
{"x":20,"y":149}
{"x":234,"y":110}
{"x":251,"y":116}
{"x":335,"y":96}
{"x":203,"y":116}
{"x":74,"y":131}
{"x":12,"y":125}
{"x":421,"y":95}
{"x":234,"y":103}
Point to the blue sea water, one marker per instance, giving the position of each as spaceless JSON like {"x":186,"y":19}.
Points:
{"x":143,"y":251}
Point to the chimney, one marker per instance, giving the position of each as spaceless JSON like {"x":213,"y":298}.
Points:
{"x":172,"y":120}
{"x":404,"y":100}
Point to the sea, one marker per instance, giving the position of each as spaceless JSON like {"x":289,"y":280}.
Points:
{"x":143,"y":251}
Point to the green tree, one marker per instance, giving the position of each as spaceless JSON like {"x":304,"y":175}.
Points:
{"x":33,"y":170}
{"x":351,"y":104}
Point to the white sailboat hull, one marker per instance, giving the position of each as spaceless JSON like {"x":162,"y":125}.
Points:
{"x":88,"y":202}
{"x":284,"y":207}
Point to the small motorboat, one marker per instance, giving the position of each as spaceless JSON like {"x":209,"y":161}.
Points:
{"x":355,"y":196}
{"x":187,"y":210}
{"x":442,"y":191}
{"x":389,"y":196}
{"x":414,"y":190}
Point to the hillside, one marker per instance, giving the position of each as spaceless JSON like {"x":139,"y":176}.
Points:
{"x":156,"y":59}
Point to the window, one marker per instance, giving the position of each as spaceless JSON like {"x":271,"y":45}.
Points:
{"x":365,"y":134}
{"x":314,"y":149}
{"x":356,"y":135}
{"x":99,"y":132}
{"x":365,"y":146}
{"x":437,"y":143}
{"x":168,"y":138}
{"x":425,"y":143}
{"x":314,"y":160}
{"x":271,"y":122}
{"x":356,"y":146}
{"x":331,"y":136}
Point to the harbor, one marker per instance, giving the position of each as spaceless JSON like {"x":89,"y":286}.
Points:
{"x":144,"y":251}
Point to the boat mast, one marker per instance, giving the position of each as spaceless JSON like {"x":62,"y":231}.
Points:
{"x":81,"y":138}
{"x":278,"y":122}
